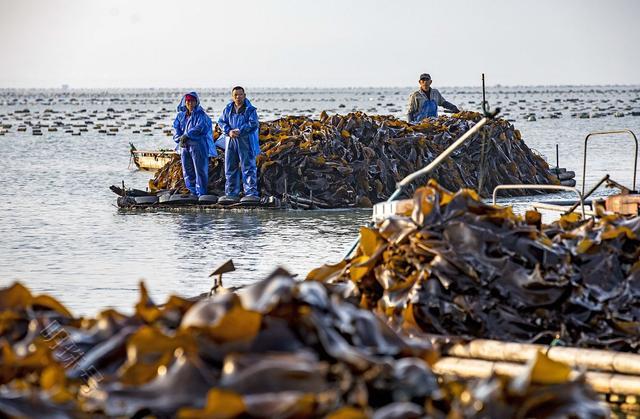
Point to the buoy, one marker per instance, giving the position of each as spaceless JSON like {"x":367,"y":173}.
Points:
{"x":146,"y":200}
{"x":208,"y":199}
{"x":567,"y":174}
{"x":182,"y":199}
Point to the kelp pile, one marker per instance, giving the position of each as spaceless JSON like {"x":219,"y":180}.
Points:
{"x":356,"y":159}
{"x":279,"y":348}
{"x":457,"y":266}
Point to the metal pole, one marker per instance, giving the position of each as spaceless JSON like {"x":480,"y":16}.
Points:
{"x":483,"y":91}
{"x":592,"y":190}
{"x":557,"y":160}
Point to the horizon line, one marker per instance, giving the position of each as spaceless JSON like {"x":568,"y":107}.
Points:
{"x":66,"y":87}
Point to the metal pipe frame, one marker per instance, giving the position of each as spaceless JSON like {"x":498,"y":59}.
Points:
{"x":592,"y":134}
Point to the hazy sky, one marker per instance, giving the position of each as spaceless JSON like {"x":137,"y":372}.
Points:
{"x":294,"y":43}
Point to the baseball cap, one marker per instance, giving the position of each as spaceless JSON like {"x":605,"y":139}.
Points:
{"x":425,"y":76}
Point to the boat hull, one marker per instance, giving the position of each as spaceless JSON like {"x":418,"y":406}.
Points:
{"x":151,"y":160}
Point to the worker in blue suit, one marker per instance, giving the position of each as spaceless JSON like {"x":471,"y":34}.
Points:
{"x":194,"y":141}
{"x":239,"y":123}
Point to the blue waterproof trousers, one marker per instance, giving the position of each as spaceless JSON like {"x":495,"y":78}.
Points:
{"x":195,"y":166}
{"x":240,"y":164}
{"x":429,"y":109}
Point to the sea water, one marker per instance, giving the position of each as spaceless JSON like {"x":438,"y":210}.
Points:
{"x":60,"y":232}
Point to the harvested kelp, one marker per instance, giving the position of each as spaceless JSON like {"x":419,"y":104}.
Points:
{"x":453,"y":265}
{"x":357,"y":160}
{"x":279,"y":348}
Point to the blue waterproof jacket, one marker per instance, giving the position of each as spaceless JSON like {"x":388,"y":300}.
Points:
{"x":198,"y":127}
{"x":247,"y":122}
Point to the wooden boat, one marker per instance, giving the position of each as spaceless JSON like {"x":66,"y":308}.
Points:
{"x":151,"y":160}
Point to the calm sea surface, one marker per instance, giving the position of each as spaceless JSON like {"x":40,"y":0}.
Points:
{"x":60,"y":232}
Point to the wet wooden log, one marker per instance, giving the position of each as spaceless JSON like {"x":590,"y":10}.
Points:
{"x":590,"y":359}
{"x":602,"y":382}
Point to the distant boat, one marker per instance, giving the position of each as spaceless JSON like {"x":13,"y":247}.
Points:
{"x":151,"y":160}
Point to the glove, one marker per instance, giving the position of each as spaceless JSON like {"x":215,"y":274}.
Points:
{"x":183,"y":141}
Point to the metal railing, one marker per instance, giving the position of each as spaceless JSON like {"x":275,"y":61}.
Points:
{"x":592,"y":134}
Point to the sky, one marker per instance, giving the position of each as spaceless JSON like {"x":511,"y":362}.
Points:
{"x":322,"y":43}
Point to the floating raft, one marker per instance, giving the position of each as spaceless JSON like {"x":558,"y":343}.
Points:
{"x":180,"y":203}
{"x":138,"y":200}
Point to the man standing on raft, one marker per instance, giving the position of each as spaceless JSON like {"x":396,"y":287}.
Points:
{"x":239,"y":123}
{"x":424,"y":103}
{"x":194,"y":138}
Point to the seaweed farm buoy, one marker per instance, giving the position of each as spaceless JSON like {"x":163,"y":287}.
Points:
{"x":208,"y":199}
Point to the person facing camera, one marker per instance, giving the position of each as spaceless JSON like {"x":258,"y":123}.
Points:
{"x":194,"y":141}
{"x":239,"y":123}
{"x":423,"y":103}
